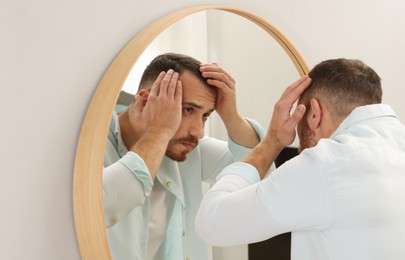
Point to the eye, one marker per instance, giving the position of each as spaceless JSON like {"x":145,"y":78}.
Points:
{"x":188,"y":110}
{"x":206,"y":115}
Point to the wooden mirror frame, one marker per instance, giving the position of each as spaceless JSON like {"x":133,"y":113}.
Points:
{"x":87,"y":181}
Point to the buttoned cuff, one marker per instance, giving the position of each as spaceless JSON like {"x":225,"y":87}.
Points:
{"x":244,"y":170}
{"x":138,"y":167}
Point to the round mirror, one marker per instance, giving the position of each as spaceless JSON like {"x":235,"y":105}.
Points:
{"x":262,"y":61}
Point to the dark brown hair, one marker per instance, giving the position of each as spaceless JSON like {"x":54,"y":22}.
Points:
{"x":343,"y":84}
{"x":164,"y":62}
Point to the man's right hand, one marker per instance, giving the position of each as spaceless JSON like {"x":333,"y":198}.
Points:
{"x":283,"y":123}
{"x":157,"y":115}
{"x":281,"y":131}
{"x":159,"y":110}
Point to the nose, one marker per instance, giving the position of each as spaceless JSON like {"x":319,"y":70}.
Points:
{"x":197,"y":128}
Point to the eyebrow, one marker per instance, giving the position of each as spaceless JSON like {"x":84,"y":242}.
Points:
{"x":192,"y":104}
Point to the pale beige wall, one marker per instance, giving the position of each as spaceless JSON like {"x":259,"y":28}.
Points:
{"x":53,"y":53}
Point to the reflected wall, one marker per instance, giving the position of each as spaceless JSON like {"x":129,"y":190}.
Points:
{"x":260,"y":66}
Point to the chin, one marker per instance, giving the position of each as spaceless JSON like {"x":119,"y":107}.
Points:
{"x":178,"y":157}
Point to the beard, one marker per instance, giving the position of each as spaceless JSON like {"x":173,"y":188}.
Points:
{"x":179,"y":154}
{"x":306,"y":136}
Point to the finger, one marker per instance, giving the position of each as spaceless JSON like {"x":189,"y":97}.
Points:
{"x":219,"y":84}
{"x":290,"y":88}
{"x":213,"y":64}
{"x":294,"y":93}
{"x":166,"y":82}
{"x":178,"y":95}
{"x":156,"y":85}
{"x":296,"y":117}
{"x":294,"y":86}
{"x":213,"y":77}
{"x":297,"y":92}
{"x":173,"y":84}
{"x":215,"y":68}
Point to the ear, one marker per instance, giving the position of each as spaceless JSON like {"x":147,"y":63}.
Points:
{"x":315,"y":114}
{"x":144,"y":94}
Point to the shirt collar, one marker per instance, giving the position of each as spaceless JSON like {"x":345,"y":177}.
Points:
{"x":364,"y":113}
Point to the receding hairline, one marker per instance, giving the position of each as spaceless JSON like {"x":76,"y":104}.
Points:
{"x":163,"y":62}
{"x":149,"y":83}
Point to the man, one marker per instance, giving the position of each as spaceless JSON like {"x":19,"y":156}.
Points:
{"x":157,"y":157}
{"x":342,"y":197}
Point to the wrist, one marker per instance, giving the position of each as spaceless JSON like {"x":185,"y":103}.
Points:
{"x":264,"y":154}
{"x":271,"y":140}
{"x":233,"y":120}
{"x":160,"y":134}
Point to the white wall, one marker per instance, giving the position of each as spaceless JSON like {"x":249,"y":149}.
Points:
{"x":53,"y":53}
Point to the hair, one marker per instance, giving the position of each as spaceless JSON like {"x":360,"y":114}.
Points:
{"x":178,"y":62}
{"x":343,"y":84}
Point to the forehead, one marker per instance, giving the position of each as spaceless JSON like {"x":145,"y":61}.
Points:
{"x":195,"y":90}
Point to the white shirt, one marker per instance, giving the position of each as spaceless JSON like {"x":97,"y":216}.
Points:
{"x":342,"y":199}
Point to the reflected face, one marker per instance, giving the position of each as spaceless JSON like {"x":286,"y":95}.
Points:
{"x":198,"y":104}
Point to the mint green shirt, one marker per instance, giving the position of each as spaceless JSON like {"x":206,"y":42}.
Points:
{"x":127,"y":185}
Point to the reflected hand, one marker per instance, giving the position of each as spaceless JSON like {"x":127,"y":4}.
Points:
{"x":160,"y":109}
{"x":225,"y":83}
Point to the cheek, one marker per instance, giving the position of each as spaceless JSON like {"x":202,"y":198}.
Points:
{"x":181,"y":130}
{"x":304,"y":133}
{"x":184,"y":127}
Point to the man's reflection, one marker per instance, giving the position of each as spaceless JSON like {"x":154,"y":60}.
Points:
{"x":157,"y":157}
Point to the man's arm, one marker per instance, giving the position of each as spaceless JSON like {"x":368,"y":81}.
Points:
{"x":157,"y":116}
{"x":239,"y":130}
{"x":281,"y":131}
{"x":126,"y":184}
{"x":236,"y":209}
{"x":146,"y":128}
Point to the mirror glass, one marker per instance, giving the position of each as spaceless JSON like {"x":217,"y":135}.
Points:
{"x":261,"y":67}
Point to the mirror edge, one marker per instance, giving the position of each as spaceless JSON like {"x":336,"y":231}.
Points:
{"x":87,"y":180}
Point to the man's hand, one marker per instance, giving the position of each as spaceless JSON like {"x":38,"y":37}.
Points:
{"x":283,"y":123}
{"x":282,"y":128}
{"x":159,"y":111}
{"x":225,"y":83}
{"x":240,"y":131}
{"x":157,"y":116}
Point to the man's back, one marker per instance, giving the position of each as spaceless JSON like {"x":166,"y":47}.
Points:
{"x":363,"y":164}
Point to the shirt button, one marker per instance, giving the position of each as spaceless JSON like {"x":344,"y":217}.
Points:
{"x":169,"y":184}
{"x":184,"y":233}
{"x":187,"y":258}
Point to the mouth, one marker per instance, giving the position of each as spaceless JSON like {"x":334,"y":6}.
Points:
{"x":189,"y":146}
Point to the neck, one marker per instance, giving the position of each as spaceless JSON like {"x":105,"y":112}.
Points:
{"x":329,"y":124}
{"x":129,"y":134}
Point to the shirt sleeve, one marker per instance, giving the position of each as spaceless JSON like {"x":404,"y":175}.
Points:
{"x":217,"y":154}
{"x":126,"y":184}
{"x":240,"y":209}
